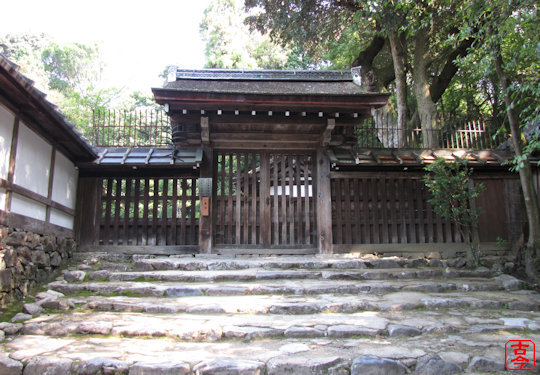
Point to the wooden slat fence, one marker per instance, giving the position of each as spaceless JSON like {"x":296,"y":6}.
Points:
{"x":149,"y":211}
{"x":386,"y":209}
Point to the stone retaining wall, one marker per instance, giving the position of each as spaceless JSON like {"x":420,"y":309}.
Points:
{"x":27,"y":259}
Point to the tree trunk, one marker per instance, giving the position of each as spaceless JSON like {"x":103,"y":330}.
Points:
{"x":427,"y":110}
{"x":525,"y":173}
{"x":398,"y":56}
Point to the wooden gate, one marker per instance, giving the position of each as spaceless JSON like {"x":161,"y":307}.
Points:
{"x":264,"y":199}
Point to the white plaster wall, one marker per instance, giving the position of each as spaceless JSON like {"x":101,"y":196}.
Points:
{"x":27,"y":207}
{"x":33,"y":162}
{"x":64,"y":181}
{"x":6,"y":133}
{"x":2,"y":199}
{"x":62,"y":219}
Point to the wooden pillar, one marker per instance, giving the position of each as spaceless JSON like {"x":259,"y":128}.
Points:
{"x":88,"y":211}
{"x":324,"y":203}
{"x":206,"y":223}
{"x":513,"y":199}
{"x":265,"y":200}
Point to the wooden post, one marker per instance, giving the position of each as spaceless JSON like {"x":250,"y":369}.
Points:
{"x":265,"y":200}
{"x":88,"y":211}
{"x":514,"y":211}
{"x":324,"y":203}
{"x":206,"y":223}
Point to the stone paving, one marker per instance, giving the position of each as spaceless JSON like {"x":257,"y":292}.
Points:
{"x":141,"y":315}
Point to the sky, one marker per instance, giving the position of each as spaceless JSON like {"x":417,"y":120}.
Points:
{"x":138,"y":39}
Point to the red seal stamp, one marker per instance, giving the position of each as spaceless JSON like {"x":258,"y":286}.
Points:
{"x":519,"y":355}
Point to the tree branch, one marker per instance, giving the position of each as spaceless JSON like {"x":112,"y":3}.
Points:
{"x":442,"y":81}
{"x":366,"y":57}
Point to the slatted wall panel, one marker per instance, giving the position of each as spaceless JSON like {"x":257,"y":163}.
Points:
{"x":149,"y":211}
{"x":387,"y":210}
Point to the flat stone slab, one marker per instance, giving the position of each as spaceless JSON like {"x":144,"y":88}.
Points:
{"x":252,"y":274}
{"x":312,"y":287}
{"x":331,"y":356}
{"x":214,"y":327}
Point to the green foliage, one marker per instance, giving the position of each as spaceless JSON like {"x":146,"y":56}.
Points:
{"x":25,"y":51}
{"x":451,"y":197}
{"x":514,"y":27}
{"x":230,"y":44}
{"x":71,"y":67}
{"x":448,"y":184}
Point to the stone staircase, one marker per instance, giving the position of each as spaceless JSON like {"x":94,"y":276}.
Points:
{"x":142,"y":315}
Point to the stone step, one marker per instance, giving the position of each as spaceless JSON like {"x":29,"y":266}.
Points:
{"x":278,"y":287}
{"x":185,"y":299}
{"x":201,"y":262}
{"x":431,"y":354}
{"x":214,"y":327}
{"x":256,"y":274}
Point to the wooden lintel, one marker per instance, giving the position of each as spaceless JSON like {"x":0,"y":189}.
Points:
{"x":262,"y":145}
{"x":264,"y":137}
{"x":205,"y":131}
{"x":327,"y":134}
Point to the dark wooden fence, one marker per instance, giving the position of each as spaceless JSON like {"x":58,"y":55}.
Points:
{"x":377,"y":208}
{"x":149,"y":211}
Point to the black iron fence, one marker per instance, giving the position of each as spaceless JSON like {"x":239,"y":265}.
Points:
{"x":117,"y":128}
{"x":151,"y":128}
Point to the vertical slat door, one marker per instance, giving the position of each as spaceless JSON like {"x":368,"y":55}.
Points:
{"x":264,"y":199}
{"x":291,"y":192}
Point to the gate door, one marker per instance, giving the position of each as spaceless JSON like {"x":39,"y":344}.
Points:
{"x":264,"y":199}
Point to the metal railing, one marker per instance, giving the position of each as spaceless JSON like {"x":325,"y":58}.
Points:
{"x":151,"y":128}
{"x":470,"y":135}
{"x":117,"y":128}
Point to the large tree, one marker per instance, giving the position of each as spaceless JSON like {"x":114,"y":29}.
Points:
{"x":423,"y":37}
{"x":231,"y":45}
{"x":508,"y":48}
